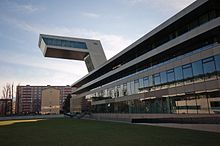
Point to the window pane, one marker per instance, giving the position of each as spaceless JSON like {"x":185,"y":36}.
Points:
{"x":187,"y":71}
{"x":132,"y":87}
{"x":136,"y":86}
{"x":129,"y":88}
{"x":125,"y":89}
{"x":156,"y":79}
{"x":217,"y":62}
{"x":150,"y":81}
{"x":178,"y":73}
{"x":209,"y":65}
{"x":141,"y":82}
{"x":170,"y":75}
{"x":67,"y":44}
{"x":58,"y":42}
{"x":163,"y":77}
{"x":203,"y":19}
{"x":197,"y":68}
{"x":146,"y":82}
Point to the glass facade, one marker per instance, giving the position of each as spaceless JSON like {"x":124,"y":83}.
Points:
{"x":170,"y":75}
{"x":163,"y":77}
{"x":192,"y":103}
{"x":201,"y":68}
{"x":188,"y":104}
{"x":178,"y":73}
{"x":208,"y":65}
{"x":65,"y":43}
{"x":187,"y":71}
{"x":197,"y":68}
{"x":146,"y":81}
{"x":172,"y":89}
{"x":217,"y":62}
{"x":157,"y":79}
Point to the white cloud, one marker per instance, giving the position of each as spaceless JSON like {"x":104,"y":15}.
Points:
{"x":16,"y":6}
{"x":112,"y":43}
{"x":90,"y":15}
{"x":27,"y":8}
{"x":47,"y":78}
{"x":162,"y":4}
{"x":59,"y":71}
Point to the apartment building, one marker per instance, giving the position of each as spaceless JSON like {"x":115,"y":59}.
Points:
{"x":29,"y":98}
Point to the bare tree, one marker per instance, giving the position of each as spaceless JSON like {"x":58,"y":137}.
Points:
{"x":7,"y":91}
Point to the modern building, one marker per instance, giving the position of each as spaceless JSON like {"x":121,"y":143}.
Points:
{"x":5,"y":107}
{"x":50,"y":101}
{"x":28,"y":98}
{"x":88,"y":50}
{"x":175,"y":68}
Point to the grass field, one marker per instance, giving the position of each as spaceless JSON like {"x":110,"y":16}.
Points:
{"x":97,"y":133}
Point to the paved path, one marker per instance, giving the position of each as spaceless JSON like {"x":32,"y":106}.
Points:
{"x":200,"y":127}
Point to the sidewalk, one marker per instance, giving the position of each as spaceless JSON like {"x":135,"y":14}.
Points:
{"x":200,"y":127}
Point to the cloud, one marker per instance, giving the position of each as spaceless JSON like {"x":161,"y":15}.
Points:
{"x":112,"y":43}
{"x":16,"y":6}
{"x":54,"y":65}
{"x":164,"y":4}
{"x":36,"y":77}
{"x":90,"y":15}
{"x":27,"y":8}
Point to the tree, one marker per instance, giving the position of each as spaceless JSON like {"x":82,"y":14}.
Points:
{"x":7,"y":91}
{"x":66,"y":105}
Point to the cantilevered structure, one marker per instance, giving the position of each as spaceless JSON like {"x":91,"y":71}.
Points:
{"x":87,"y":50}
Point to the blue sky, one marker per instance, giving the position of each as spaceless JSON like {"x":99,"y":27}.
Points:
{"x":117,"y":23}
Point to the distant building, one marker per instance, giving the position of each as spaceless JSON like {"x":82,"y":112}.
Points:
{"x":50,"y":101}
{"x":28,"y":98}
{"x":5,"y":107}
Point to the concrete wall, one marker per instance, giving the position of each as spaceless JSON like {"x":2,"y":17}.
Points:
{"x":50,"y":102}
{"x":187,"y":118}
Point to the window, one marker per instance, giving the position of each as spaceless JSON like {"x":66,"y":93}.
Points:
{"x":187,"y":71}
{"x":129,"y":88}
{"x":146,"y":81}
{"x":132,"y":87}
{"x":208,"y":65}
{"x":170,"y":75}
{"x":215,"y":104}
{"x":136,"y":86}
{"x":217,"y":62}
{"x":118,"y":91}
{"x":150,"y":81}
{"x":141,"y":82}
{"x":58,"y":42}
{"x":178,"y":73}
{"x":197,"y":68}
{"x":203,"y":19}
{"x":193,"y":24}
{"x":65,"y":43}
{"x":163,"y":77}
{"x":156,"y":79}
{"x":125,"y":89}
{"x":212,"y":15}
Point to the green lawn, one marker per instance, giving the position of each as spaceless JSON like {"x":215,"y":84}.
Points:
{"x":87,"y":132}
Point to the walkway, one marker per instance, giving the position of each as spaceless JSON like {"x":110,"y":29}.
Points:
{"x":200,"y":127}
